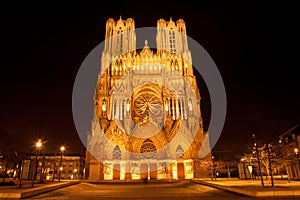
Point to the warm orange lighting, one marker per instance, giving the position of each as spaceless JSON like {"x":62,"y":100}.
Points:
{"x":38,"y":144}
{"x":62,"y":148}
{"x":128,"y":106}
{"x":296,"y":151}
{"x":190,"y":105}
{"x":124,"y":97}
{"x":61,"y":168}
{"x":280,"y":141}
{"x":103,"y":107}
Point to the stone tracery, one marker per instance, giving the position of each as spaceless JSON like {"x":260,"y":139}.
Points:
{"x":146,"y":105}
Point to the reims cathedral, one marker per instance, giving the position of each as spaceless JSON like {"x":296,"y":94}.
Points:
{"x":147,"y":122}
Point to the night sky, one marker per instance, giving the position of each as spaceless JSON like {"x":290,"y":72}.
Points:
{"x":253,"y":45}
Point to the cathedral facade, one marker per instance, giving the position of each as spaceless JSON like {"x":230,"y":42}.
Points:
{"x":147,"y":122}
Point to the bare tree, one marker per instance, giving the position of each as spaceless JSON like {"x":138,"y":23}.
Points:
{"x":269,"y":156}
{"x":14,"y":145}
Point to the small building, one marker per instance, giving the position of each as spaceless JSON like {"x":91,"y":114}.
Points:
{"x":52,"y":167}
{"x":226,"y":169}
{"x":245,"y":170}
{"x":290,"y":141}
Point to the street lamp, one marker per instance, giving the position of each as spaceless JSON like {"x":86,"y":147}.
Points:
{"x":297,"y":155}
{"x":38,"y":145}
{"x":213,"y":176}
{"x":258,"y":160}
{"x":62,"y":148}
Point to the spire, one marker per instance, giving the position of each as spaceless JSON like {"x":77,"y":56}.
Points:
{"x":146,"y":50}
{"x":120,"y":23}
{"x":120,"y":20}
{"x":171,"y":24}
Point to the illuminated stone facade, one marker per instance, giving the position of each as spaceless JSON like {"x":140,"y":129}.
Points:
{"x":147,"y":121}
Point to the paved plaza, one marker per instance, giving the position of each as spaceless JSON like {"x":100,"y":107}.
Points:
{"x":183,"y":190}
{"x":195,"y":189}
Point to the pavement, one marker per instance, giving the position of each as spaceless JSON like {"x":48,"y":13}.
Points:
{"x":250,"y":188}
{"x":254,"y":188}
{"x":16,"y":192}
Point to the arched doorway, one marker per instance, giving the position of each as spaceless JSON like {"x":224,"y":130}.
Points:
{"x":180,"y":165}
{"x":180,"y":171}
{"x":148,"y":151}
{"x":116,"y":166}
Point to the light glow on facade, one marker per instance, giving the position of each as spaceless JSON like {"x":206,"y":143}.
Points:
{"x":147,"y":122}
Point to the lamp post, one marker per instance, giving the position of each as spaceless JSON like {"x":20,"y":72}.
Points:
{"x":297,"y":155}
{"x":212,"y":168}
{"x":62,"y":148}
{"x":38,"y":145}
{"x":258,"y":161}
{"x":296,"y":152}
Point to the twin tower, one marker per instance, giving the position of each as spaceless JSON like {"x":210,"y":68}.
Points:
{"x":147,"y":122}
{"x":120,"y":38}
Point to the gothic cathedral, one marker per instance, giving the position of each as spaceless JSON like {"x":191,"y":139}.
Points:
{"x":147,"y":122}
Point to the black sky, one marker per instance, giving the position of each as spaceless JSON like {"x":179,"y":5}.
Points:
{"x":253,"y":44}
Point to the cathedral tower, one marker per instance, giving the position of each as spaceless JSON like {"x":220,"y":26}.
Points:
{"x":147,"y":121}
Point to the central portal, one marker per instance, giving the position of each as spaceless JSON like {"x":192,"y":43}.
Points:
{"x":144,"y":171}
{"x":116,"y":172}
{"x":180,"y":170}
{"x":153,"y":171}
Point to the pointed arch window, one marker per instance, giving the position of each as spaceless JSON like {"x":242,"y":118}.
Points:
{"x":179,"y":152}
{"x":117,"y":153}
{"x":148,"y":150}
{"x":172,"y":41}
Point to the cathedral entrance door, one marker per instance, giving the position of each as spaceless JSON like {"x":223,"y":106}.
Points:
{"x":153,"y":171}
{"x":180,"y":170}
{"x":116,"y":174}
{"x":144,"y":171}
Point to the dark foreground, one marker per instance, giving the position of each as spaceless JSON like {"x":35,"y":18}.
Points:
{"x":174,"y":191}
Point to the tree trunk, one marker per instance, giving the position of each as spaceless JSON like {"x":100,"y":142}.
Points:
{"x":268,"y":171}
